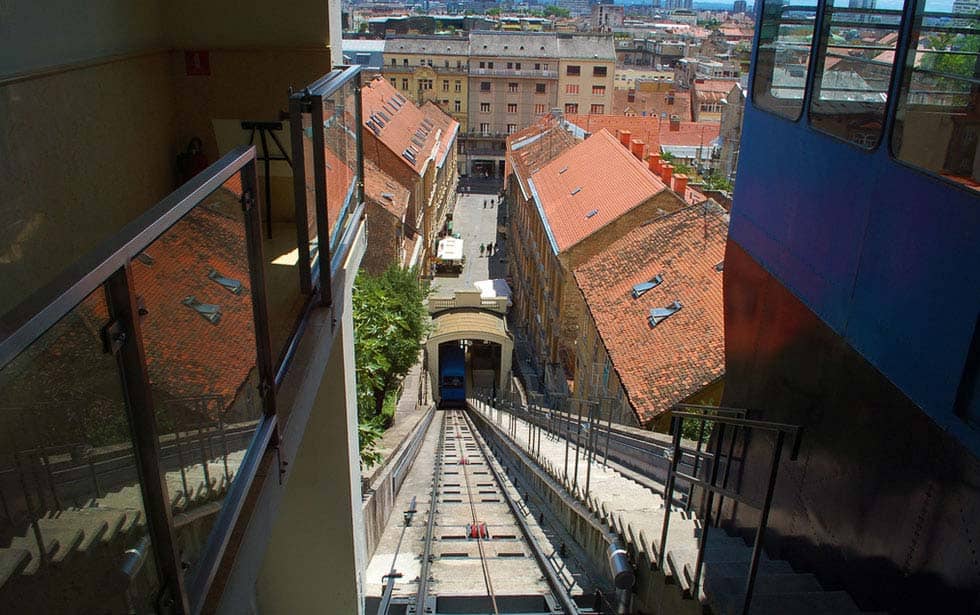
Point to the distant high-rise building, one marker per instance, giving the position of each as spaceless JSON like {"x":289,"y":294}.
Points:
{"x":740,"y":6}
{"x":861,"y":4}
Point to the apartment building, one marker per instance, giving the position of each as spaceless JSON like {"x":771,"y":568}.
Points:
{"x":651,"y":333}
{"x":708,"y":98}
{"x":586,"y":73}
{"x":569,"y":213}
{"x":417,"y":147}
{"x":730,"y":134}
{"x":513,"y":80}
{"x":430,"y":68}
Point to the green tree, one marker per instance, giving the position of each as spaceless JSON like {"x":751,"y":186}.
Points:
{"x":389,"y":323}
{"x":556,"y":11}
{"x":493,"y":12}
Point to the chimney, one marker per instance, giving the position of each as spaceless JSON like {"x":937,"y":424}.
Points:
{"x":666,"y":171}
{"x":675,"y":123}
{"x":680,"y":184}
{"x":624,"y":138}
{"x":654,"y":163}
{"x":637,"y":146}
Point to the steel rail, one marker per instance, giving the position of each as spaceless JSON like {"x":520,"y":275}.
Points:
{"x":433,"y":500}
{"x":558,"y":590}
{"x":479,"y":534}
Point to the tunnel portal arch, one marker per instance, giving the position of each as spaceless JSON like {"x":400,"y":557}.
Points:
{"x":477,"y":327}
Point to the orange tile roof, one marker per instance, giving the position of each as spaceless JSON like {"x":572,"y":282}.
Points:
{"x":713,"y":85}
{"x":415,"y":135}
{"x":662,"y":365}
{"x":690,"y":133}
{"x":653,"y":131}
{"x":535,"y":147}
{"x":578,"y":183}
{"x":187,"y":355}
{"x":384,"y":190}
{"x":652,"y":104}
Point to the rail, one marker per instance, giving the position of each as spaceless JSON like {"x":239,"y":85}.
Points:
{"x":559,"y":590}
{"x":721,"y":421}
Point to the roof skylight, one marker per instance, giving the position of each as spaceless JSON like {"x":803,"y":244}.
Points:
{"x":640,"y":289}
{"x":576,"y":191}
{"x":232,"y":285}
{"x":658,"y":315}
{"x":210,"y":312}
{"x":592,"y":212}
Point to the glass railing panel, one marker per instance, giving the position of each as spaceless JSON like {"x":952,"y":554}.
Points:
{"x":309,"y":180}
{"x":285,"y":298}
{"x":195,"y":295}
{"x":73,"y":530}
{"x":340,"y":156}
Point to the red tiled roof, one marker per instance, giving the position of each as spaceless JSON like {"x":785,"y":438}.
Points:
{"x":403,"y":127}
{"x":713,"y":85}
{"x":690,"y":133}
{"x":187,"y":355}
{"x":652,"y":104}
{"x":577,"y":182}
{"x":384,"y":190}
{"x":665,"y":364}
{"x":653,"y":131}
{"x":446,"y":126}
{"x":536,"y":146}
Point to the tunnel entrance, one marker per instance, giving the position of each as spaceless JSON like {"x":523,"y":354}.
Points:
{"x":466,"y":366}
{"x":469,"y":348}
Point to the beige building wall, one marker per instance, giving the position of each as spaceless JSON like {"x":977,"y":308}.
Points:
{"x":445,"y":82}
{"x":514,"y":100}
{"x":588,"y":91}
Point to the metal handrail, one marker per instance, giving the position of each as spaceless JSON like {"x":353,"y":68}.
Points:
{"x":721,"y":422}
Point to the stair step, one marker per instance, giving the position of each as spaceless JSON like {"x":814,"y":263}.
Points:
{"x":92,"y":527}
{"x":29,"y":544}
{"x":802,"y":603}
{"x":725,"y":594}
{"x":68,"y":535}
{"x":12,"y":561}
{"x":677,"y":559}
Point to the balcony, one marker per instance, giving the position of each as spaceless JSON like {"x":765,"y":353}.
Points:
{"x":145,"y":389}
{"x":439,"y":70}
{"x":508,"y":72}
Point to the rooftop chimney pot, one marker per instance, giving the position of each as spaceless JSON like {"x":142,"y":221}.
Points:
{"x":637,"y":147}
{"x":666,"y":171}
{"x":624,"y":137}
{"x":680,"y":184}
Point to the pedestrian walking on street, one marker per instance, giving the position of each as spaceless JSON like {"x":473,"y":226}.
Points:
{"x":490,"y":248}
{"x":484,"y":203}
{"x":482,"y":248}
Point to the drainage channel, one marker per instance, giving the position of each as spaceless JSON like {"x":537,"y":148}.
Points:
{"x":466,"y":541}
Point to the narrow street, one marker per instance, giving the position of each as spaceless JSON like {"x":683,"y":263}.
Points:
{"x":475,"y":225}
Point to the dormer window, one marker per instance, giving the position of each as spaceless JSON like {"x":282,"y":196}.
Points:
{"x":233,"y":286}
{"x":209,"y":311}
{"x":640,"y":289}
{"x":658,"y":315}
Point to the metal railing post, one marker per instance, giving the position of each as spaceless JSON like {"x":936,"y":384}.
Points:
{"x":763,"y":521}
{"x":669,"y":490}
{"x":706,"y":522}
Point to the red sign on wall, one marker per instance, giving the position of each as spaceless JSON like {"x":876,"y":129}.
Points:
{"x":197,"y":63}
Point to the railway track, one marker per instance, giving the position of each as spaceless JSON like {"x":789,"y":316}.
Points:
{"x":468,"y":542}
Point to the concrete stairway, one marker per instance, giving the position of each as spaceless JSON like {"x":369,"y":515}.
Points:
{"x":632,"y":507}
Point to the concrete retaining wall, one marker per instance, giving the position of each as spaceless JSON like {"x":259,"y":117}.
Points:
{"x":379,"y":496}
